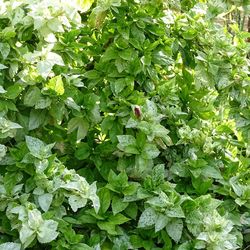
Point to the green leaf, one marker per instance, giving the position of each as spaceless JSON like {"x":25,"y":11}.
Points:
{"x":118,"y":205}
{"x":109,"y":54}
{"x":132,"y":210}
{"x":56,"y":84}
{"x":127,"y":54}
{"x":118,"y":219}
{"x":92,"y":74}
{"x":83,"y":151}
{"x":105,"y":199}
{"x":37,"y":118}
{"x":117,"y":182}
{"x":31,"y":96}
{"x":118,"y":85}
{"x":107,"y":226}
{"x":127,"y":143}
{"x":13,"y":91}
{"x":113,"y":221}
{"x":79,"y":124}
{"x":212,"y":172}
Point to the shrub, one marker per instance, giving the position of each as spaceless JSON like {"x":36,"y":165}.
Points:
{"x":124,"y":125}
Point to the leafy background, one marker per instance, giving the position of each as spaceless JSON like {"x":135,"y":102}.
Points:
{"x":124,"y":125}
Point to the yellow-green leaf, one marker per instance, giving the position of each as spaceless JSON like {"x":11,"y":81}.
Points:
{"x":56,"y":84}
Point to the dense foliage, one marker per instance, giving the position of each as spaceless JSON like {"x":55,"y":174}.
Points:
{"x":124,"y":125}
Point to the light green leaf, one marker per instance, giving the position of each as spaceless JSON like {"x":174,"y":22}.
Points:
{"x":150,"y":151}
{"x":93,"y":196}
{"x":151,"y":108}
{"x":174,"y":229}
{"x":43,"y":103}
{"x":210,"y":171}
{"x":3,"y":150}
{"x":37,"y":118}
{"x":76,"y":202}
{"x":175,"y":212}
{"x":41,"y":165}
{"x":47,"y":231}
{"x":45,"y":201}
{"x":2,"y":90}
{"x":26,"y":235}
{"x":54,"y":58}
{"x":44,"y":68}
{"x":10,"y":246}
{"x":31,"y":96}
{"x":72,"y":104}
{"x":147,"y":218}
{"x":55,"y":25}
{"x":2,"y":66}
{"x":161,"y":222}
{"x":34,"y":219}
{"x":37,"y":148}
{"x":4,"y":49}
